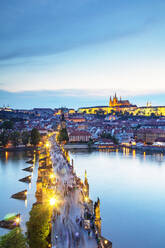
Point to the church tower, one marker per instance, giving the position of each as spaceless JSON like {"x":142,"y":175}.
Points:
{"x":115,"y":100}
{"x":63,"y":122}
{"x":110,"y":102}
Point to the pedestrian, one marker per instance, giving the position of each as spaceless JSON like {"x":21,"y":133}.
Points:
{"x":77,"y":237}
{"x":77,"y":219}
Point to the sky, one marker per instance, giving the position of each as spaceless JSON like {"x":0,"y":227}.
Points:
{"x":79,"y":52}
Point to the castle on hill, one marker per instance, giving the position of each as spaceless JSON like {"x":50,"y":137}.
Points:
{"x":114,"y":102}
{"x":124,"y":106}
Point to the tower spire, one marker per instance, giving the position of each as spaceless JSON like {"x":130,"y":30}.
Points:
{"x":110,"y":102}
{"x":85,"y":174}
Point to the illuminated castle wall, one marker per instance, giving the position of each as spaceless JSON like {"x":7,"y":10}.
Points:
{"x":119,"y":105}
{"x":114,"y":102}
{"x":114,"y":105}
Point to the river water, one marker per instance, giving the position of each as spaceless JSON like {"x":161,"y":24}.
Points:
{"x":131,"y":188}
{"x":11,"y":165}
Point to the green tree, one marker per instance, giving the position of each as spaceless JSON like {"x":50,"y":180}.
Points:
{"x":15,"y":138}
{"x":109,"y":136}
{"x":25,"y":138}
{"x":7,"y":125}
{"x":14,"y":239}
{"x":90,"y":143}
{"x":38,"y":227}
{"x":106,"y":135}
{"x":115,"y":141}
{"x":153,"y":115}
{"x":35,"y":137}
{"x":4,"y":138}
{"x":63,"y":135}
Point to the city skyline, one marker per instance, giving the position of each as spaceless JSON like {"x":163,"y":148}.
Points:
{"x":81,"y":46}
{"x":72,"y":99}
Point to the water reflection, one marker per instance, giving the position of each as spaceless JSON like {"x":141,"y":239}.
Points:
{"x":30,"y":185}
{"x":6,"y":155}
{"x":144,"y":155}
{"x":134,"y":153}
{"x":26,"y":203}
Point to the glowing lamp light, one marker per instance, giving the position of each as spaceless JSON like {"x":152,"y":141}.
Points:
{"x":86,"y":199}
{"x":47,"y":144}
{"x":105,"y":241}
{"x":52,"y":176}
{"x":17,"y":220}
{"x":52,"y":201}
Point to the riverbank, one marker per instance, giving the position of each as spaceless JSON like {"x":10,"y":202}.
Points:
{"x":78,"y":146}
{"x":146,"y":148}
{"x":85,"y":146}
{"x":16,"y":149}
{"x":69,"y":146}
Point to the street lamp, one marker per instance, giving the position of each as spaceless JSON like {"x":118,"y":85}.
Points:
{"x":52,"y":201}
{"x":17,"y":220}
{"x":52,"y":175}
{"x":105,"y":241}
{"x":47,"y":144}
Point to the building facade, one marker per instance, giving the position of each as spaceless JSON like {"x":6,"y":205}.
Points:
{"x":79,"y":136}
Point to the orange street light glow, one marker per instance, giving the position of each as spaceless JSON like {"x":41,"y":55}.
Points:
{"x":52,"y":175}
{"x":105,"y":241}
{"x":17,"y":220}
{"x":52,"y":201}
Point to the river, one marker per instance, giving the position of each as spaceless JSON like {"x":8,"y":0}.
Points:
{"x":131,"y":188}
{"x":11,"y":165}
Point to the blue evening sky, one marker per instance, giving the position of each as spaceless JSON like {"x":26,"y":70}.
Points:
{"x":78,"y":52}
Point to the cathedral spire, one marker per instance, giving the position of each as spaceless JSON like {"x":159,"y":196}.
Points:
{"x":115,"y":95}
{"x":110,"y":101}
{"x":115,"y":100}
{"x":85,"y":174}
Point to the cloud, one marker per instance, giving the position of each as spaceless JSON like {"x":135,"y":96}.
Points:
{"x":47,"y":49}
{"x":57,"y":28}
